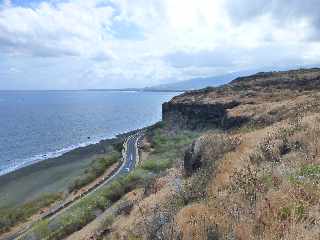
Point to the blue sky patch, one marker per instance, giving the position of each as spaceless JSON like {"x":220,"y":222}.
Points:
{"x":26,"y":3}
{"x":127,"y":30}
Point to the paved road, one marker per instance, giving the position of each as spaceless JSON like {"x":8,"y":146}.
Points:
{"x":130,"y":158}
{"x":129,"y":163}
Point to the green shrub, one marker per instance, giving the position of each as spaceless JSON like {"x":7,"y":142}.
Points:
{"x":162,"y":142}
{"x":42,"y":230}
{"x":310,"y":171}
{"x":118,"y":146}
{"x":108,"y":220}
{"x":267,"y":180}
{"x":155,"y":166}
{"x":284,"y":213}
{"x":296,"y":211}
{"x":167,"y":147}
{"x":95,"y":170}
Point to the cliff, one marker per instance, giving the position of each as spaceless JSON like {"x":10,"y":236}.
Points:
{"x":197,"y":115}
{"x":222,"y":107}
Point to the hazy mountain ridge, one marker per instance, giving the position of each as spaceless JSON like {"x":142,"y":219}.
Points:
{"x":197,"y":83}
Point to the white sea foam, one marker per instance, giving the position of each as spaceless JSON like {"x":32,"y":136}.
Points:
{"x":20,"y":163}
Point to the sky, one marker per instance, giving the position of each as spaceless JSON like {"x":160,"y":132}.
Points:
{"x":81,"y":44}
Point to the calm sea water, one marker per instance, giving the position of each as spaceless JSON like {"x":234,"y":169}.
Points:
{"x":36,"y":125}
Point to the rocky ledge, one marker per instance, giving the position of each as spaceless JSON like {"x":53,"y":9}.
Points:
{"x":196,"y":116}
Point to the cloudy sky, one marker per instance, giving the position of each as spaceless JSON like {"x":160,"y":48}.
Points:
{"x":77,"y":44}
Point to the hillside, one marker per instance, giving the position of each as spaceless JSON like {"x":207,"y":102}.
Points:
{"x":240,"y":161}
{"x":254,"y":171}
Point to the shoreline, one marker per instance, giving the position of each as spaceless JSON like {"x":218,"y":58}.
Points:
{"x":68,"y":151}
{"x":25,"y":162}
{"x":53,"y":175}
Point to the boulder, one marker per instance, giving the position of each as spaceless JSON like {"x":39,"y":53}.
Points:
{"x":192,"y":158}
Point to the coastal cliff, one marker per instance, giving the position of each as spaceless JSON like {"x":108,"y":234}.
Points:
{"x":196,"y":116}
{"x":223,"y":107}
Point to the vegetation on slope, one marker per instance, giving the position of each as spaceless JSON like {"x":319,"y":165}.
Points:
{"x":95,"y":170}
{"x":11,"y":216}
{"x":86,"y":209}
{"x":164,"y":147}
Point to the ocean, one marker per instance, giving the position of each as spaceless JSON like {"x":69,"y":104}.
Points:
{"x":36,"y":125}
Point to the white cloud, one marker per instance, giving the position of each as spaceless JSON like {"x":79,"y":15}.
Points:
{"x":145,"y":42}
{"x":71,"y":28}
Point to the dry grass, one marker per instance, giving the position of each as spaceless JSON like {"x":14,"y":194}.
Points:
{"x":151,"y":217}
{"x":102,"y":224}
{"x":267,"y":189}
{"x":263,"y":184}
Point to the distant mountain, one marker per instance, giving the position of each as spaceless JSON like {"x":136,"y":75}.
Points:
{"x":198,"y":83}
{"x":202,"y":82}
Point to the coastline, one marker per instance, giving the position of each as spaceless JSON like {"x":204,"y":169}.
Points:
{"x":53,"y":174}
{"x":22,"y":163}
{"x":67,"y":152}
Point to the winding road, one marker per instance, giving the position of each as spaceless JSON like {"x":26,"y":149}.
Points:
{"x":130,"y":159}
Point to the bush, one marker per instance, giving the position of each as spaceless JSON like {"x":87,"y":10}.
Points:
{"x":311,"y":171}
{"x":295,"y":211}
{"x":276,"y":144}
{"x":212,"y":148}
{"x":308,"y":173}
{"x":246,"y":182}
{"x":155,"y":166}
{"x":95,"y":170}
{"x":167,"y":147}
{"x":162,"y":142}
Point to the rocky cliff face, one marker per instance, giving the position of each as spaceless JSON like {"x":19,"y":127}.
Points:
{"x":199,"y":115}
{"x":222,"y":107}
{"x":193,"y":116}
